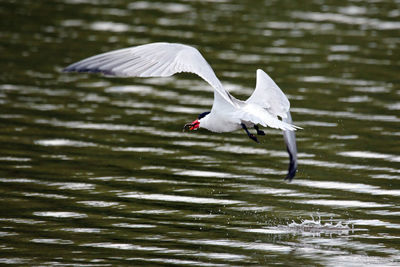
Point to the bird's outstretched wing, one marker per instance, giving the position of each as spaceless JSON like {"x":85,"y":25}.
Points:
{"x":152,"y":60}
{"x":256,"y":114}
{"x":269,"y":96}
{"x":267,"y":103}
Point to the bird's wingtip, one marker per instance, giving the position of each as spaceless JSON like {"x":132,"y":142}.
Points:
{"x":73,"y":68}
{"x":259,"y":71}
{"x":291,"y":172}
{"x":69,"y":68}
{"x":292,"y":167}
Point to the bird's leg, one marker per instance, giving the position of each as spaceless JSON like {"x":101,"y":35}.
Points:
{"x":259,"y":132}
{"x":251,"y":136}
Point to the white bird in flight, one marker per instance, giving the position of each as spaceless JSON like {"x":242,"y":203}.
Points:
{"x":227,"y":113}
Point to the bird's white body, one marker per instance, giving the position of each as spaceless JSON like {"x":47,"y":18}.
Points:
{"x":230,"y":118}
{"x":228,"y":114}
{"x":214,"y":122}
{"x":263,"y":107}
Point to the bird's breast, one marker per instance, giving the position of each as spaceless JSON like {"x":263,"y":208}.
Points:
{"x":219,"y":124}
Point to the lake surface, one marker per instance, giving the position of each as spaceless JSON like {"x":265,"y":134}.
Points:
{"x":96,"y":171}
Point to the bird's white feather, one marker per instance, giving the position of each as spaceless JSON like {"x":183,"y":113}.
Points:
{"x":152,"y":60}
{"x":228,"y":113}
{"x":269,"y":96}
{"x":256,"y":114}
{"x":165,"y":59}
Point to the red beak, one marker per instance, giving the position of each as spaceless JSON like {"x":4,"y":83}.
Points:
{"x":194,"y":125}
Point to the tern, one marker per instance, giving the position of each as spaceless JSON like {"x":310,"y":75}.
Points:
{"x":227,"y":114}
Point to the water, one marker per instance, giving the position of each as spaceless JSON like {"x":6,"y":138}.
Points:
{"x":96,"y":171}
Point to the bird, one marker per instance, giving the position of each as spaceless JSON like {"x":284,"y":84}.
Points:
{"x":264,"y":107}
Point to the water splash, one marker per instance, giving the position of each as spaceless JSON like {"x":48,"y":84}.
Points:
{"x":308,"y":227}
{"x":317,"y":227}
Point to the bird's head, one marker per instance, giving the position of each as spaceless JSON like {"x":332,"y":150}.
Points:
{"x":194,"y":125}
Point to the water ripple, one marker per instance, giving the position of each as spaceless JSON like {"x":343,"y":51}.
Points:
{"x":82,"y":230}
{"x":52,"y":241}
{"x":238,"y":244}
{"x":352,"y":187}
{"x":174,"y":198}
{"x":64,"y":142}
{"x":370,"y":155}
{"x":15,"y":159}
{"x":345,"y":114}
{"x":122,"y":246}
{"x":136,"y":225}
{"x":162,"y":7}
{"x":99,"y":170}
{"x":60,"y":214}
{"x":155,"y":150}
{"x":344,"y":203}
{"x":89,"y":125}
{"x":346,"y":166}
{"x":98,"y":204}
{"x":348,"y":19}
{"x":109,"y":26}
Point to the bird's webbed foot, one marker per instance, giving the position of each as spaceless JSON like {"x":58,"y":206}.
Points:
{"x":259,"y":132}
{"x":251,"y":136}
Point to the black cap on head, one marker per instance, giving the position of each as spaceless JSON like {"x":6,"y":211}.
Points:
{"x":202,"y":115}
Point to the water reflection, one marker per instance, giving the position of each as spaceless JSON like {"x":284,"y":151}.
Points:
{"x":52,"y":241}
{"x":60,"y":214}
{"x":267,"y":247}
{"x":175,"y":198}
{"x":155,"y":150}
{"x":94,"y":166}
{"x":63,"y":142}
{"x":352,"y":187}
{"x":366,"y":23}
{"x":344,"y":203}
{"x":370,"y":155}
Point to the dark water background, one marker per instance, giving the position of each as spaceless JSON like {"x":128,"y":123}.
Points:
{"x":96,"y":171}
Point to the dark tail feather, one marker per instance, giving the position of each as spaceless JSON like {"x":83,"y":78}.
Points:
{"x":291,"y":147}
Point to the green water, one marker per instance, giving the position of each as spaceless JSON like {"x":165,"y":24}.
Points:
{"x":96,"y":171}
